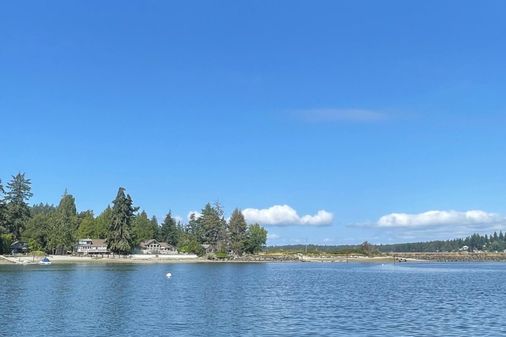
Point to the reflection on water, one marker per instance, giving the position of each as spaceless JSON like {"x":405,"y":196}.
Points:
{"x":254,"y":300}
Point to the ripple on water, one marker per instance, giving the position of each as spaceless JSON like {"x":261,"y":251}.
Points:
{"x":254,"y":300}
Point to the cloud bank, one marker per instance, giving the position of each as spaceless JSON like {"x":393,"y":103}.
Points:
{"x":438,"y":224}
{"x":284,"y":215}
{"x":438,"y":218}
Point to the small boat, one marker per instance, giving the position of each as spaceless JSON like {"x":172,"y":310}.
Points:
{"x":45,"y":261}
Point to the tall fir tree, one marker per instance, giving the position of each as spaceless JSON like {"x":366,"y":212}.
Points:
{"x":237,"y":229}
{"x":119,"y":239}
{"x":169,"y":232}
{"x":3,"y":210}
{"x":155,"y":228}
{"x":63,"y":228}
{"x":102,"y":224}
{"x":18,"y":211}
{"x":213,"y":227}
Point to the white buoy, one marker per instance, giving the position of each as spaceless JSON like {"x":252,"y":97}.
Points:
{"x":169,"y":275}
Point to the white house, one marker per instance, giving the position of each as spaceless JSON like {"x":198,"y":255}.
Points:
{"x":92,"y":246}
{"x":153,"y":246}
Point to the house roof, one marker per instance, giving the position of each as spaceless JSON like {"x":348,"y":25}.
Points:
{"x":146,"y":243}
{"x":99,"y":242}
{"x":96,"y":242}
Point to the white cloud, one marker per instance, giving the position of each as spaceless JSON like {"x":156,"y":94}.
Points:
{"x":343,"y":115}
{"x":284,"y":215}
{"x":438,"y":218}
{"x":438,"y":225}
{"x":195,"y":213}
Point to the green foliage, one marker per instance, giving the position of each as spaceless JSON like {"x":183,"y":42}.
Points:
{"x":170,"y":232}
{"x":63,"y":227}
{"x":155,"y":227}
{"x":86,"y":225}
{"x":212,"y":227}
{"x":119,"y":239}
{"x":367,"y":249}
{"x":39,"y":253}
{"x":18,"y":212}
{"x":221,"y":255}
{"x":6,"y":239}
{"x":51,"y":229}
{"x":188,"y":243}
{"x":237,"y":229}
{"x":143,"y":228}
{"x":38,"y":229}
{"x":474,"y":242}
{"x":102,"y":223}
{"x":3,"y":210}
{"x":255,"y":239}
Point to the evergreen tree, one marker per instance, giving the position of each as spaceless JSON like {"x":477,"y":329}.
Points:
{"x":39,"y":227}
{"x":5,"y":236}
{"x":119,"y":239}
{"x":142,"y":228}
{"x":18,"y":212}
{"x":63,"y":228}
{"x":3,"y":210}
{"x":255,"y":239}
{"x":237,"y":228}
{"x":87,"y":225}
{"x":194,"y":229}
{"x":155,"y":228}
{"x":213,"y":227}
{"x":169,"y":231}
{"x":102,"y":223}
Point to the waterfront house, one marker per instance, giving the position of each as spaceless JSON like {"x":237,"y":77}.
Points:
{"x":156,"y":247}
{"x":19,"y":247}
{"x":92,"y":247}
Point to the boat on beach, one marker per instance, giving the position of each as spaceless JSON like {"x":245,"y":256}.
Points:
{"x":45,"y":261}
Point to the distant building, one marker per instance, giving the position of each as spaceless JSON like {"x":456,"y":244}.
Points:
{"x":464,"y":249}
{"x":155,"y":247}
{"x":19,"y":247}
{"x":92,"y":247}
{"x":207,"y":248}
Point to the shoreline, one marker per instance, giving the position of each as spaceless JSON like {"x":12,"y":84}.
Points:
{"x":260,"y":258}
{"x":180,"y":259}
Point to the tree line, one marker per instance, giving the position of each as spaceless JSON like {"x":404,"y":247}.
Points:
{"x":56,"y":229}
{"x":495,"y":242}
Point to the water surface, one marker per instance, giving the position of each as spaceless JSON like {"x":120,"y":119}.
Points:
{"x":300,"y":299}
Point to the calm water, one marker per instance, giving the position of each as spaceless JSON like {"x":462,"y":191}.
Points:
{"x":254,"y":300}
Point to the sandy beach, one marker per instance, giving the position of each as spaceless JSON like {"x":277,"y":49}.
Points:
{"x":190,"y":258}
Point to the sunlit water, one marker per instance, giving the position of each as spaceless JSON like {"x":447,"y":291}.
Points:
{"x":254,"y":300}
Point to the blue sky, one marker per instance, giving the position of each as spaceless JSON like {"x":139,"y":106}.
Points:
{"x":388,"y":116}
